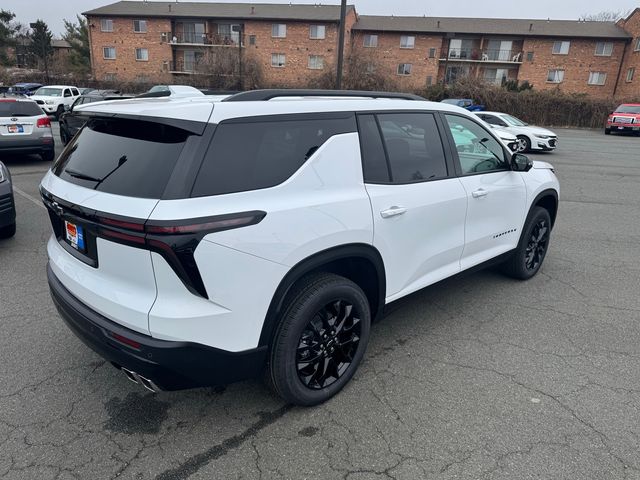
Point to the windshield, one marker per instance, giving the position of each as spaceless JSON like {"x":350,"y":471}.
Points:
{"x":516,"y":122}
{"x":628,"y":109}
{"x":49,"y":92}
{"x":19,"y":109}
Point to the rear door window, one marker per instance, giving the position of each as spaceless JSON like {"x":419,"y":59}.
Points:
{"x":121,"y":156}
{"x":250,"y":155}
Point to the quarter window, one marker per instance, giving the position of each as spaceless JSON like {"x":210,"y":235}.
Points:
{"x":109,"y":53}
{"x":106,"y":25}
{"x":404,"y":69}
{"x":278,"y":59}
{"x":140,"y":26}
{"x":477,"y":150}
{"x":561,"y":48}
{"x":316,"y":62}
{"x":370,"y":41}
{"x":142,"y":54}
{"x":279,"y":30}
{"x":555,"y":76}
{"x":316,"y":32}
{"x":597,"y":78}
{"x":604,"y":49}
{"x":413,"y":146}
{"x":407,"y":41}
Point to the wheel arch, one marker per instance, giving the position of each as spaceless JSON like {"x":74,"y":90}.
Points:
{"x":547,"y":199}
{"x":359,"y":262}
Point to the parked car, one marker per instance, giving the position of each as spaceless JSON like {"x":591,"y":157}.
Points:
{"x":530,"y":137}
{"x":70,"y":122}
{"x":625,"y":118}
{"x":466,"y":103}
{"x":25,"y":128}
{"x":200,"y":242}
{"x":85,"y":90}
{"x":7,"y":205}
{"x":53,"y":98}
{"x":176,"y":91}
{"x":26,"y":89}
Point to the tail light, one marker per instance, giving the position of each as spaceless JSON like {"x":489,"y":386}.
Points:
{"x":43,"y":122}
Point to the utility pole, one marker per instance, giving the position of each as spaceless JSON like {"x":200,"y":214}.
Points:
{"x":343,"y":14}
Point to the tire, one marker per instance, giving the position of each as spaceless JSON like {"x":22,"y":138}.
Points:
{"x":48,"y":155}
{"x":532,"y":247}
{"x":524,"y":144}
{"x":64,"y":136}
{"x":607,"y":131}
{"x":310,"y":327}
{"x":8,"y":231}
{"x":59,"y":112}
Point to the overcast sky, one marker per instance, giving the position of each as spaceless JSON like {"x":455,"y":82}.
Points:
{"x":53,"y":11}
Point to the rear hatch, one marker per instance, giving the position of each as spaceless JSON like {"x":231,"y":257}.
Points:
{"x":99,"y":195}
{"x":18,"y":120}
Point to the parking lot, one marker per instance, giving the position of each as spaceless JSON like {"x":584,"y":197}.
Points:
{"x":476,"y":377}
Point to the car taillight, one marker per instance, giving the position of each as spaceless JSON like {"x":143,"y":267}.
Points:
{"x":43,"y":122}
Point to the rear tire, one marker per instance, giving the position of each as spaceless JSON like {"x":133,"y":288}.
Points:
{"x":8,"y":231}
{"x":48,"y":156}
{"x":321,"y":339}
{"x":532,"y":247}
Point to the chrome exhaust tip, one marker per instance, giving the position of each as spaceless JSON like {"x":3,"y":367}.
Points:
{"x":133,"y":376}
{"x":140,"y":380}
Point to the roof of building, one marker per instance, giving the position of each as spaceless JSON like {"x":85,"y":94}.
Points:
{"x":60,"y":43}
{"x":261,"y":11}
{"x":491,"y":26}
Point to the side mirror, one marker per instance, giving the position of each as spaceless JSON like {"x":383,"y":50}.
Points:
{"x":521,"y":163}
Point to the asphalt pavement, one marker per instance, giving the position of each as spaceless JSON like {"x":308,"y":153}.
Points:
{"x":478,"y":377}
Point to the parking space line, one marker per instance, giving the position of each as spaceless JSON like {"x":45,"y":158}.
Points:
{"x":29,"y":197}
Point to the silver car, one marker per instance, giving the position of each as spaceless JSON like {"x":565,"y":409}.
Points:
{"x":25,"y":128}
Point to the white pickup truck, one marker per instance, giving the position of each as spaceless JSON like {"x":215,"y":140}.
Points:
{"x":53,"y":98}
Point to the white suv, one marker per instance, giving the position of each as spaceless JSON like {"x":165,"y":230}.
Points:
{"x":198,"y":242}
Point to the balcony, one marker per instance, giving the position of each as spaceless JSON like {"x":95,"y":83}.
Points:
{"x":203,"y":39}
{"x":482,"y":55}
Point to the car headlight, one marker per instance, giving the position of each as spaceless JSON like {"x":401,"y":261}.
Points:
{"x":542,"y":136}
{"x":3,"y":175}
{"x":49,"y":102}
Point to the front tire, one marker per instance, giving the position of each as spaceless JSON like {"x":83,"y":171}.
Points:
{"x":8,"y":231}
{"x":524,"y":144}
{"x":59,"y":112}
{"x":607,"y":131}
{"x":321,"y":339}
{"x":532,"y":247}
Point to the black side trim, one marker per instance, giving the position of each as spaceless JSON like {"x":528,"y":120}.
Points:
{"x":548,"y":193}
{"x":268,"y":94}
{"x":316,"y":262}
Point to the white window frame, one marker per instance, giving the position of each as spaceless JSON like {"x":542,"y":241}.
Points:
{"x":313,"y":62}
{"x":561,"y":50}
{"x":140,"y":24}
{"x":373,"y":41}
{"x":405,"y":72}
{"x":105,"y":21}
{"x":280,"y":30}
{"x":407,"y":41}
{"x":606,"y":49}
{"x":318,"y":29}
{"x":631,"y":72}
{"x":278,"y":63}
{"x":558,"y":76}
{"x":637,"y":46}
{"x":597,"y":78}
{"x":104,"y":50}
{"x":140,"y":50}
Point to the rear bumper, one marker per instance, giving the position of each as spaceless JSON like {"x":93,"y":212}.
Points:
{"x":170,"y":365}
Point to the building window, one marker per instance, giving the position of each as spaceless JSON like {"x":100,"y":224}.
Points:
{"x":370,"y":41}
{"x":106,"y":25}
{"x":597,"y":78}
{"x":110,"y":77}
{"x":407,"y":41}
{"x":561,"y":48}
{"x":142,"y":54}
{"x":109,"y":53}
{"x":316,"y":32}
{"x":555,"y":76}
{"x":630,"y":74}
{"x":429,"y":81}
{"x":316,"y":62}
{"x":404,"y":69}
{"x":432,"y":53}
{"x":252,"y":39}
{"x":604,"y":49}
{"x":637,"y":47}
{"x":278,"y":59}
{"x":529,"y":56}
{"x":140,"y":26}
{"x":279,"y":30}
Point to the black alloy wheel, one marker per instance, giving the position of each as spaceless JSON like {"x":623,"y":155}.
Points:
{"x":537,"y":246}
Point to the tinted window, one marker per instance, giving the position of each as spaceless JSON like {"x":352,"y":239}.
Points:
{"x":414,"y":147}
{"x":75,"y":92}
{"x":123,"y":157}
{"x":67,"y":92}
{"x":252,"y":155}
{"x":19,"y":109}
{"x":477,"y":150}
{"x":493,"y":120}
{"x":374,"y":162}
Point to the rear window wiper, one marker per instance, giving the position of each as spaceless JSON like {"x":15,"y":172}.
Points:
{"x":81,"y":176}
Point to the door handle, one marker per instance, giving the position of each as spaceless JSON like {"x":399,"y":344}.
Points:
{"x":481,"y":192}
{"x":392,"y":211}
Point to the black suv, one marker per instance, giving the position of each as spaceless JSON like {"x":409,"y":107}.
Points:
{"x":70,"y":123}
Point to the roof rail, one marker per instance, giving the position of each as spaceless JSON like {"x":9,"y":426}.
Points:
{"x":268,"y":94}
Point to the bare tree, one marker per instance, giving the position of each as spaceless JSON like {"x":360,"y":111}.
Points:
{"x":606,"y":16}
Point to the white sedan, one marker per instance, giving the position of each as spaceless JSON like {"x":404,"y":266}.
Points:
{"x":529,"y":136}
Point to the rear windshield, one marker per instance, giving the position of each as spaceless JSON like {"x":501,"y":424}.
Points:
{"x":628,"y":109}
{"x":124,"y":157}
{"x":19,"y":109}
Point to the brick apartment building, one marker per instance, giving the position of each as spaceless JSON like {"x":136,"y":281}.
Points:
{"x":164,"y":42}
